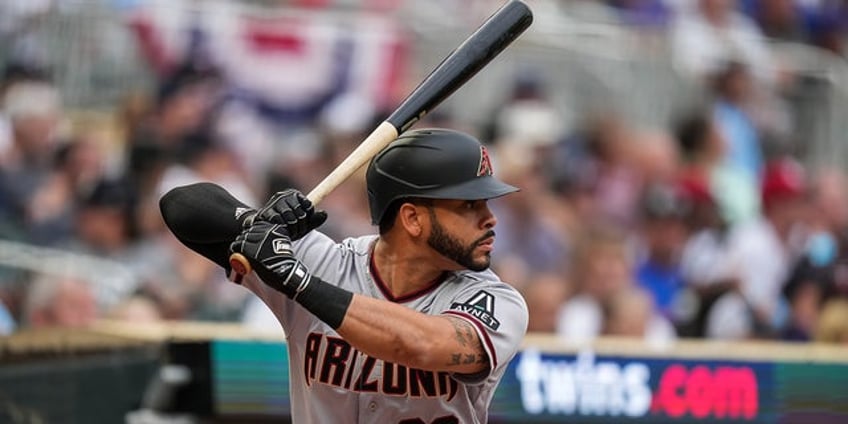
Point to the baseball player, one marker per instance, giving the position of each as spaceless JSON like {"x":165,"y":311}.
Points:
{"x":407,"y":326}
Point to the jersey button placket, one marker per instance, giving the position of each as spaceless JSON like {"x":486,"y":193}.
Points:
{"x":372,"y":406}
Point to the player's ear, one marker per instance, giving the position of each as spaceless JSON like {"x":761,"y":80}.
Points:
{"x":412,"y":218}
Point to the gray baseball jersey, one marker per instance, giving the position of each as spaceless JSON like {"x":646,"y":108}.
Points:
{"x":332,"y":382}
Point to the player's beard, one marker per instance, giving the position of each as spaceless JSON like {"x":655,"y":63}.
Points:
{"x":450,"y":247}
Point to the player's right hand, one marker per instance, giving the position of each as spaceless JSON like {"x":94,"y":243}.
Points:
{"x":293,"y":210}
{"x":268,"y":248}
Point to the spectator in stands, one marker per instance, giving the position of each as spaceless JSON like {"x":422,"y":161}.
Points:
{"x":59,"y":301}
{"x":202,"y":156}
{"x":784,"y":20}
{"x":764,"y":251}
{"x":183,"y":106}
{"x":530,"y":229}
{"x":34,"y":112}
{"x":184,"y":285}
{"x":642,"y":13}
{"x":818,"y":275}
{"x":14,"y":73}
{"x":663,"y":233}
{"x":805,"y":291}
{"x":78,"y":165}
{"x":137,"y":308}
{"x":601,"y":267}
{"x":829,"y":27}
{"x":605,"y":152}
{"x":710,"y":33}
{"x":527,"y":97}
{"x":833,"y":324}
{"x":105,"y":228}
{"x":704,"y":150}
{"x":104,"y":225}
{"x":657,"y":158}
{"x":705,"y":264}
{"x":733,"y":87}
{"x":545,"y":294}
{"x":631,"y":313}
{"x":829,"y":196}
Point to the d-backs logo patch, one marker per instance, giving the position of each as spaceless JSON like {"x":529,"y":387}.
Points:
{"x":480,"y":306}
{"x":485,"y":167}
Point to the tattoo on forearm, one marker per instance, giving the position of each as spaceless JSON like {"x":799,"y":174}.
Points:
{"x":468,"y":358}
{"x":464,"y":331}
{"x":466,"y":336}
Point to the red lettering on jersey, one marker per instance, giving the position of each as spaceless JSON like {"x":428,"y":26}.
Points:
{"x":394,"y":379}
{"x":420,"y":380}
{"x":485,"y":167}
{"x":362,"y":383}
{"x":310,"y":356}
{"x":335,"y":361}
{"x":350,"y":369}
{"x":341,"y":365}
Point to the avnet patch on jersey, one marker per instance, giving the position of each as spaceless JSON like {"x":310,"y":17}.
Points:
{"x":480,"y":306}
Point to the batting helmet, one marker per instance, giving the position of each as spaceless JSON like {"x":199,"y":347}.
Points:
{"x":433,"y":164}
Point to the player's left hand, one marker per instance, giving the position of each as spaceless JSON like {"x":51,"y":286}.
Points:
{"x":293,"y":210}
{"x":268,"y":248}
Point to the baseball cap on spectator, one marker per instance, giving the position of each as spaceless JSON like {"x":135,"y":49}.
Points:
{"x":783,"y":179}
{"x":696,"y":190}
{"x":31,"y":98}
{"x":661,"y":201}
{"x":108,"y":193}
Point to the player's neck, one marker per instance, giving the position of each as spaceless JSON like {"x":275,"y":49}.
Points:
{"x":403,"y":270}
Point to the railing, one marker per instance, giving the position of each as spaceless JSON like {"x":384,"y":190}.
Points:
{"x":111,"y":281}
{"x":586,"y":63}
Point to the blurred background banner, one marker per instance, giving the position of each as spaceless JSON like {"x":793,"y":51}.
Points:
{"x":219,"y":374}
{"x":682,"y":166}
{"x":287,"y":63}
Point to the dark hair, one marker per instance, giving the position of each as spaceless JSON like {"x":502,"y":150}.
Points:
{"x":388,"y":220}
{"x":692,"y":132}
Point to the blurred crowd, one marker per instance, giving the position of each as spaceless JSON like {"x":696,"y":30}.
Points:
{"x":711,"y":226}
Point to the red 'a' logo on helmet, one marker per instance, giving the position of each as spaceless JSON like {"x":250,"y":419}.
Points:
{"x":485,"y":167}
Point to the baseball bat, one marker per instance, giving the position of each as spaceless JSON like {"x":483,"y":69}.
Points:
{"x":475,"y":52}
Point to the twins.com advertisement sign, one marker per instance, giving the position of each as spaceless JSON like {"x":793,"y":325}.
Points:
{"x":585,"y":388}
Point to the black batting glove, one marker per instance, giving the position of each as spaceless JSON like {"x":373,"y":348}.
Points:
{"x":293,"y":210}
{"x":268,"y":248}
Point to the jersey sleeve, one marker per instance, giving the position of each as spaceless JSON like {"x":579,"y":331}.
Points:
{"x":324,"y":257}
{"x":499,"y":314}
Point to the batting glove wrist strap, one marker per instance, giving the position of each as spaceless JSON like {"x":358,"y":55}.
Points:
{"x":269,"y":250}
{"x":326,"y":301}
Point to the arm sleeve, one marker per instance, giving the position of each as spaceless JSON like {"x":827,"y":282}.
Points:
{"x":204,"y":217}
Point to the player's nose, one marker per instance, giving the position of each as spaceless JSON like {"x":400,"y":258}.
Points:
{"x":489,"y":219}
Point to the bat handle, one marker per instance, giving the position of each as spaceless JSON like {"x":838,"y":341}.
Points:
{"x":384,"y":134}
{"x":240,"y":264}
